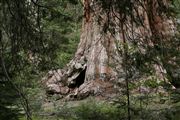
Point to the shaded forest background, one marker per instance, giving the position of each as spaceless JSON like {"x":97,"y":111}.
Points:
{"x":42,"y":35}
{"x":34,"y":38}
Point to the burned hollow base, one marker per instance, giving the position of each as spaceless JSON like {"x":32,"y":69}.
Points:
{"x":72,"y":84}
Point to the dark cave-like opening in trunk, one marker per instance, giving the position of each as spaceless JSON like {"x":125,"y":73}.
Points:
{"x":79,"y":80}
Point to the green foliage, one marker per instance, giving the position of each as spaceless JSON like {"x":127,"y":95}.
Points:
{"x":175,"y":96}
{"x":61,"y":26}
{"x":34,"y":37}
{"x":98,"y":111}
{"x":89,"y":110}
{"x":8,"y":109}
{"x":152,"y":83}
{"x":133,"y":86}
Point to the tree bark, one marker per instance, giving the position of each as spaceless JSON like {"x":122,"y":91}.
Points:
{"x":98,"y":63}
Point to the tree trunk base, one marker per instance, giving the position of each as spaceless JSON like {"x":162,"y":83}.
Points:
{"x":71,"y":83}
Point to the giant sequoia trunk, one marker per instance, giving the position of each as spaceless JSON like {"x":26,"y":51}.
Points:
{"x":110,"y":29}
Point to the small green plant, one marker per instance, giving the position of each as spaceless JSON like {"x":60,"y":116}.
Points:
{"x":152,"y":83}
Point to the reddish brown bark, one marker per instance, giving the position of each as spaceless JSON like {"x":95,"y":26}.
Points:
{"x":87,"y":10}
{"x":99,"y":51}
